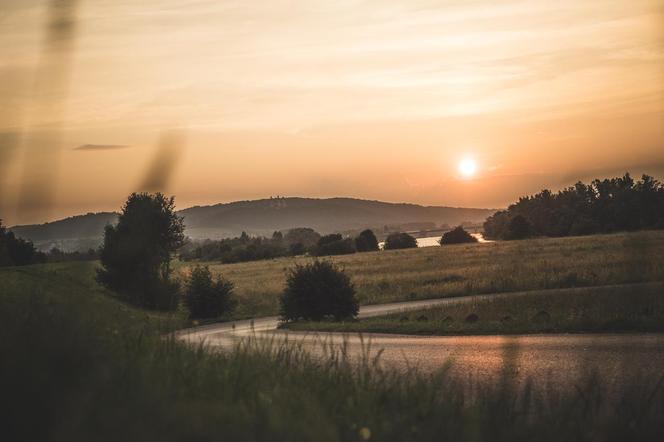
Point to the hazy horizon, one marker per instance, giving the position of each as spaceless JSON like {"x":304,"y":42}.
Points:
{"x":183,"y":208}
{"x":378,"y":100}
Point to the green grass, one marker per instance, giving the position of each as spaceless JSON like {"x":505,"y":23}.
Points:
{"x":77,"y":365}
{"x":589,"y":309}
{"x":435,"y":272}
{"x":72,"y":286}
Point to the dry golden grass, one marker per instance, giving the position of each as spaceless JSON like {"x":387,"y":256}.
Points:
{"x":619,"y":308}
{"x":434,"y":272}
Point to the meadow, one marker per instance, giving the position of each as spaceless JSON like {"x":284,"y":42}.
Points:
{"x":78,"y":365}
{"x":458,"y":270}
{"x":620,"y":308}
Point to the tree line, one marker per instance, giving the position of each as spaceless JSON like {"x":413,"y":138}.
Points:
{"x":603,"y":206}
{"x":294,"y":242}
{"x":301,"y":241}
{"x":15,"y":251}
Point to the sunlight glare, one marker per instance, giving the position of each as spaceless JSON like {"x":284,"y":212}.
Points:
{"x":467,"y":167}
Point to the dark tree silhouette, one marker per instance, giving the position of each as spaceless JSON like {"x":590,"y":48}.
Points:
{"x":206,"y":297}
{"x":457,"y":236}
{"x":302,"y":235}
{"x":296,"y":249}
{"x":603,"y":206}
{"x":246,"y":248}
{"x":519,"y":228}
{"x":335,"y":244}
{"x":17,"y":251}
{"x":366,"y":241}
{"x":400,"y":241}
{"x":329,"y":239}
{"x":136,"y":253}
{"x":316,"y":291}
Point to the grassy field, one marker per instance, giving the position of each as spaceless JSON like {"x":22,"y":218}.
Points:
{"x":631,"y":307}
{"x":434,"y":272}
{"x":77,"y":365}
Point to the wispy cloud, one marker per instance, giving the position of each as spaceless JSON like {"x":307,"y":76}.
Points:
{"x":101,"y":147}
{"x":274,"y":93}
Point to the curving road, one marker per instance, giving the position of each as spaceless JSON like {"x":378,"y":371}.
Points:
{"x":556,"y":359}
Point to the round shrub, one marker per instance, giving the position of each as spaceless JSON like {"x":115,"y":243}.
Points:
{"x":366,"y":241}
{"x":317,"y":291}
{"x":400,"y":241}
{"x":457,"y":236}
{"x":206,"y":297}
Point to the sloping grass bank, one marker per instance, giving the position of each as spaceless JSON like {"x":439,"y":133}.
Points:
{"x":626,"y":308}
{"x":76,"y":365}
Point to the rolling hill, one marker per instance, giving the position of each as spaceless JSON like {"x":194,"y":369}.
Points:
{"x":259,"y":217}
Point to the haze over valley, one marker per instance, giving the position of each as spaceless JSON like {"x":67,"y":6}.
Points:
{"x":262,"y":217}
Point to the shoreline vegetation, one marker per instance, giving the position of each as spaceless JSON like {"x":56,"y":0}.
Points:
{"x":77,"y":365}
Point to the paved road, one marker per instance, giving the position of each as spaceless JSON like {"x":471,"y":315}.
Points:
{"x":555,"y":359}
{"x":217,"y":334}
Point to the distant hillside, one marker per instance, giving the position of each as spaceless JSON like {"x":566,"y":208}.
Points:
{"x":259,"y":217}
{"x":80,"y":232}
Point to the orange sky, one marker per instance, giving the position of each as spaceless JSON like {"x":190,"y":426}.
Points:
{"x":370,"y":99}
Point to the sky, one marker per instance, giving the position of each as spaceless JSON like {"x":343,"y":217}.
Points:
{"x":217,"y":101}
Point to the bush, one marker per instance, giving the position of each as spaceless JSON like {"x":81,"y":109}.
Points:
{"x":366,"y":241}
{"x":206,"y":297}
{"x":316,"y":291}
{"x":158,"y":293}
{"x":457,"y":236}
{"x":136,"y":253}
{"x":400,"y":241}
{"x":335,"y":244}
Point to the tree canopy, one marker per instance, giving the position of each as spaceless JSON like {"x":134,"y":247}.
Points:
{"x":366,"y":241}
{"x":400,"y":241}
{"x":137,"y":251}
{"x":458,"y":235}
{"x":603,"y":206}
{"x":335,"y":244}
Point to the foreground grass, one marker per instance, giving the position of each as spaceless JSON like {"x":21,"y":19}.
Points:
{"x":435,"y":272}
{"x":589,"y":309}
{"x":77,"y":365}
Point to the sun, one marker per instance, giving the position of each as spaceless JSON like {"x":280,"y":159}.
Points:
{"x":467,"y":168}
